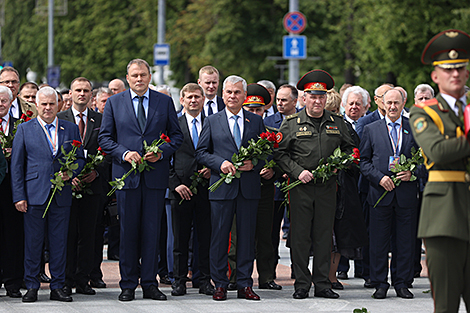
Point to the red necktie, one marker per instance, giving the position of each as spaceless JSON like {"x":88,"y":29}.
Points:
{"x":81,"y":125}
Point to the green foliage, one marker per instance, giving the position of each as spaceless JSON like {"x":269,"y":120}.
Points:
{"x":363,"y":310}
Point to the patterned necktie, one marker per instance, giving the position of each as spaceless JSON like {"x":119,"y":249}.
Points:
{"x":141,"y":114}
{"x":236,"y":132}
{"x":195,"y":135}
{"x":48,"y":128}
{"x":1,"y":125}
{"x":81,"y":125}
{"x":459,"y":105}
{"x":394,"y":134}
{"x":209,"y":110}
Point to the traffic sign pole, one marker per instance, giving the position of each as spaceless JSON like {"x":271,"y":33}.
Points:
{"x":293,"y":64}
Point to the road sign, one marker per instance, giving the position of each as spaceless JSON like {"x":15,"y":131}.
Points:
{"x":295,"y":22}
{"x":53,"y":76}
{"x":8,"y":63}
{"x":161,"y":54}
{"x":294,"y":47}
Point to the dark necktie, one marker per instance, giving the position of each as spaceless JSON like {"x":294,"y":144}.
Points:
{"x":459,"y":105}
{"x":48,"y":128}
{"x":141,"y":113}
{"x":236,"y":132}
{"x":81,"y":125}
{"x":209,"y":110}
{"x":195,"y":135}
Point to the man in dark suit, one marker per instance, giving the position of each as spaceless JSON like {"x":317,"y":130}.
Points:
{"x":35,"y":159}
{"x":195,"y":209}
{"x":129,"y":119}
{"x":395,"y":215}
{"x":377,"y":114}
{"x":9,"y":77}
{"x":222,"y":136}
{"x":270,"y":108}
{"x":11,"y":227}
{"x":209,"y":81}
{"x":84,"y":211}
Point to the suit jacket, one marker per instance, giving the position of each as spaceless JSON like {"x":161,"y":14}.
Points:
{"x":3,"y":166}
{"x":120,"y":132}
{"x":220,"y":104}
{"x":90,"y":142}
{"x":184,"y":163}
{"x":216,"y":145}
{"x":376,"y":148}
{"x":33,"y":165}
{"x":367,"y":119}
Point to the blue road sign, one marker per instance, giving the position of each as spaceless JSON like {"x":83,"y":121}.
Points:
{"x":161,"y":54}
{"x":53,"y":76}
{"x":7,"y":63}
{"x":294,"y":47}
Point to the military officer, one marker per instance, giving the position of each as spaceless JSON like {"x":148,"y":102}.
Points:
{"x":437,"y":127}
{"x":305,"y":138}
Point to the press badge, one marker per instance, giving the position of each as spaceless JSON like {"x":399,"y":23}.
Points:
{"x":393,"y":163}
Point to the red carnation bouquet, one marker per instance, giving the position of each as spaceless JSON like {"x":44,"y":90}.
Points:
{"x":329,"y":167}
{"x":118,"y":184}
{"x":68,"y":166}
{"x":256,"y":151}
{"x":95,"y":160}
{"x":6,"y":141}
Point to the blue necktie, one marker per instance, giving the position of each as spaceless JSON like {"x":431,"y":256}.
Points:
{"x":394,"y":135}
{"x":48,"y":128}
{"x":194,"y":131}
{"x":236,"y":132}
{"x":141,"y":114}
{"x":209,"y":111}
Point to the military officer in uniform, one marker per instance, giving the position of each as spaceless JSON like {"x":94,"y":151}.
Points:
{"x":445,"y":213}
{"x":305,"y":138}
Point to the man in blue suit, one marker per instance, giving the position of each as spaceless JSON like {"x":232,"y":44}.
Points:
{"x":395,"y":215}
{"x":222,"y":135}
{"x":35,"y":158}
{"x":130,"y":118}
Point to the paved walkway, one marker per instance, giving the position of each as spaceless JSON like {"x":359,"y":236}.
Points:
{"x":353,"y":296}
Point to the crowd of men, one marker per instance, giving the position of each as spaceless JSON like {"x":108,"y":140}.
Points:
{"x":219,"y":234}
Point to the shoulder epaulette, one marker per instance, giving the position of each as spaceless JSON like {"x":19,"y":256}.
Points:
{"x":292,"y":116}
{"x":426,"y":103}
{"x":337,"y":114}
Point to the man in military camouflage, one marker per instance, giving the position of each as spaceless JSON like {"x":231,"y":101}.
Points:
{"x":445,"y":213}
{"x":305,"y":138}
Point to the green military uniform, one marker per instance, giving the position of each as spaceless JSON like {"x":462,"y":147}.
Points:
{"x":312,"y":205}
{"x":445,"y":213}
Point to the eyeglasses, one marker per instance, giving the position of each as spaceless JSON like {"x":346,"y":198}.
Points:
{"x":379,"y":96}
{"x":9,"y":82}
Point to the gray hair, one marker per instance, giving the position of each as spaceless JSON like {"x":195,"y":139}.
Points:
{"x":4,"y":89}
{"x":103,"y":90}
{"x":357,"y":90}
{"x":46,"y":91}
{"x":233,"y":79}
{"x":164,"y":88}
{"x":267,"y":84}
{"x":138,"y":62}
{"x":424,"y":88}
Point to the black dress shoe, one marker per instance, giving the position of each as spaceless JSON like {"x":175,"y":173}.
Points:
{"x":85,"y":290}
{"x":300,"y":294}
{"x":337,"y":285}
{"x":127,"y":295}
{"x":31,"y":295}
{"x":380,"y":293}
{"x":43,"y":278}
{"x":165,"y":280}
{"x":14,"y":293}
{"x":97,"y":283}
{"x":270,"y":285}
{"x":358,"y":275}
{"x":404,"y":293}
{"x":207,"y":289}
{"x":368,"y":284}
{"x":154,"y":293}
{"x":67,"y":290}
{"x":342,"y":275}
{"x":113,"y":257}
{"x":59,"y":295}
{"x":327,"y":293}
{"x":179,"y":290}
{"x":232,"y":286}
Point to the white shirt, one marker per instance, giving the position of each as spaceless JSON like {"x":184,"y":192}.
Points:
{"x":135,"y":102}
{"x":213,"y":106}
{"x":15,"y":108}
{"x":350,"y":120}
{"x":231,"y":121}
{"x":53,"y":130}
{"x":189,"y":121}
{"x":399,"y":133}
{"x":451,"y":102}
{"x":268,"y":112}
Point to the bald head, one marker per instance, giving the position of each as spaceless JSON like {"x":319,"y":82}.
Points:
{"x":116,"y":86}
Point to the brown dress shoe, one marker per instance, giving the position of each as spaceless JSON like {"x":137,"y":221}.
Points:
{"x":247,"y":293}
{"x":220,"y":294}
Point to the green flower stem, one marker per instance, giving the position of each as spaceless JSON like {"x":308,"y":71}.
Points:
{"x":50,"y":200}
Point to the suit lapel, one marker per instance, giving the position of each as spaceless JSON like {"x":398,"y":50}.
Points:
{"x":225,"y":127}
{"x":90,"y":125}
{"x":246,"y":125}
{"x":406,"y":134}
{"x":153,"y":101}
{"x":60,"y":137}
{"x":130,"y":107}
{"x":185,"y":130}
{"x":386,"y":137}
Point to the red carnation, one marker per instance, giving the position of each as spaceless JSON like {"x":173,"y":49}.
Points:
{"x":167,"y":139}
{"x":29,"y":113}
{"x":356,"y":155}
{"x":263,"y":135}
{"x":23,"y":116}
{"x":272,"y":137}
{"x":162,"y":136}
{"x":101,"y":150}
{"x":76,"y":143}
{"x":276,"y":145}
{"x":27,"y":119}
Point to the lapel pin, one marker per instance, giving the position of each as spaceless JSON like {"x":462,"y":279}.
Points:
{"x":61,"y":128}
{"x":406,"y":132}
{"x":91,"y":119}
{"x":247,"y":120}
